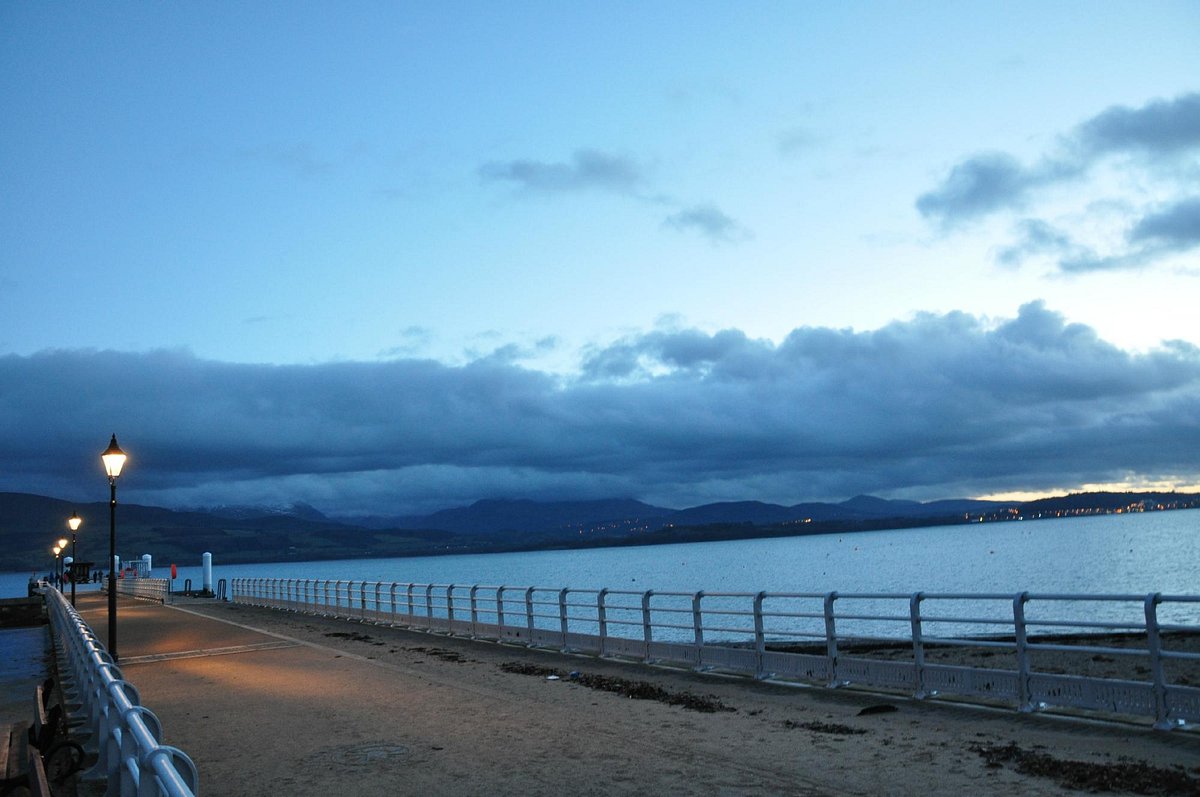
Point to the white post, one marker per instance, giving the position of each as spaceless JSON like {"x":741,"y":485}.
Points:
{"x":206,"y":563}
{"x":562,"y":618}
{"x":647,"y":632}
{"x":1024,"y":668}
{"x":760,"y":639}
{"x":831,"y":649}
{"x":146,"y":560}
{"x":914,"y":614}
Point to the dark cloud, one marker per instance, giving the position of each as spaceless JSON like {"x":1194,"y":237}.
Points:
{"x":594,"y":170}
{"x":1160,"y":133}
{"x":941,"y":405}
{"x":587,"y":169}
{"x":1169,"y":230}
{"x":709,"y":220}
{"x":976,"y":187}
{"x":1159,"y":128}
{"x":1176,"y":226}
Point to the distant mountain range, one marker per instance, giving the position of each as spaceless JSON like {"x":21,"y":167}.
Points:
{"x":29,"y":525}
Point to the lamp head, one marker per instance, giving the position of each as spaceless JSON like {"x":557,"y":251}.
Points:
{"x":55,"y":550}
{"x":114,"y":459}
{"x":74,"y":521}
{"x":62,"y":543}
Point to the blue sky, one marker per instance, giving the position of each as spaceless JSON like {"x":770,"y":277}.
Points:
{"x":600,"y":249}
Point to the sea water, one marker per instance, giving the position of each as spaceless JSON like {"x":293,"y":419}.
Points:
{"x":1107,"y":554}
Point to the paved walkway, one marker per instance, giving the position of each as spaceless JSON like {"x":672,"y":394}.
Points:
{"x":273,"y":702}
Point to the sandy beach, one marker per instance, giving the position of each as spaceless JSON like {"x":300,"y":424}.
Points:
{"x":266,"y":700}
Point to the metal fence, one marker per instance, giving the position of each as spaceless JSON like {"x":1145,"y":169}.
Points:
{"x":150,"y":589}
{"x":1125,"y":654}
{"x":125,"y":736}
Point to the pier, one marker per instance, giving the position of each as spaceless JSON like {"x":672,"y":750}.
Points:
{"x":269,"y":701}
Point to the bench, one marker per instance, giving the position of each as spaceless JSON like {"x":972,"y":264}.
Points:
{"x":34,"y":755}
{"x":21,"y":764}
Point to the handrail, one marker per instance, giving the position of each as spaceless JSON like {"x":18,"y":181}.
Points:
{"x":153,"y":589}
{"x":126,"y":735}
{"x":827,"y":638}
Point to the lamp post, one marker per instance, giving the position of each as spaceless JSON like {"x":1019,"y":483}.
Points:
{"x":73,"y":523}
{"x":114,"y":459}
{"x":55,"y":550}
{"x":62,"y":558}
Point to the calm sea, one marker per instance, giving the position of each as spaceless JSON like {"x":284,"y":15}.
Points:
{"x":1109,"y":554}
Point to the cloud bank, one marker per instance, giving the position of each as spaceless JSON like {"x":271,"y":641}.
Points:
{"x":938,"y":406}
{"x":1157,"y":145}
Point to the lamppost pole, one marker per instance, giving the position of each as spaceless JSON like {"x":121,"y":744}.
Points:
{"x":62,"y":561}
{"x":114,"y":459}
{"x":73,"y":523}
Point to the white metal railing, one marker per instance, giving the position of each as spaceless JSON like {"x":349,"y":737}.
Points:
{"x":1031,"y":651}
{"x":151,"y":589}
{"x":124,"y":735}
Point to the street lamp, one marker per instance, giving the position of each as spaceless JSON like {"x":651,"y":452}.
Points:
{"x":114,"y":460}
{"x":62,"y":569}
{"x":55,"y":550}
{"x":73,"y":523}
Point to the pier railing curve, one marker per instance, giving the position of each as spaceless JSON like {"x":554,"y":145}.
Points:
{"x":125,"y":736}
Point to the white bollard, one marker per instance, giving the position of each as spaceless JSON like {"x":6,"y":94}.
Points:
{"x":146,"y":565}
{"x":206,"y":560}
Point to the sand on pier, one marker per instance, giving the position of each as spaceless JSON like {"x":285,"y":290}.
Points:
{"x":265,"y":700}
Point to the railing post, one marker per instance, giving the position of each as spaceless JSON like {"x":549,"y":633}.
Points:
{"x":392,"y":601}
{"x":529,"y":613}
{"x":698,"y":629}
{"x":602,"y":618}
{"x":1021,"y":637}
{"x":562,"y":618}
{"x":378,"y":592}
{"x":411,"y":608}
{"x":647,"y":632}
{"x":831,"y":650}
{"x":474,"y":612}
{"x":1154,"y":648}
{"x":500,"y":612}
{"x":760,"y":639}
{"x":429,"y":605}
{"x":362,"y":601}
{"x":449,"y":608}
{"x":914,"y":613}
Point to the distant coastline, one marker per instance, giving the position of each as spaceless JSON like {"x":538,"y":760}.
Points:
{"x":247,"y":536}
